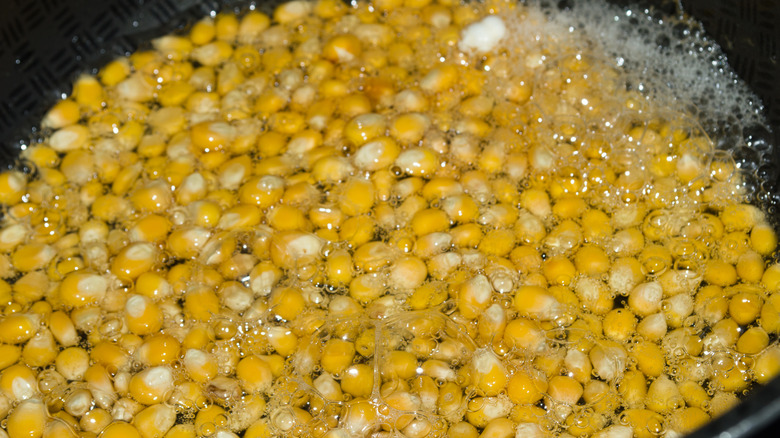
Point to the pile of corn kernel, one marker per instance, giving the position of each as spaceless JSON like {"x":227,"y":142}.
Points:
{"x":339,"y":221}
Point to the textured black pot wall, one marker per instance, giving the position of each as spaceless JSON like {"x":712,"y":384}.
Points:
{"x":45,"y":44}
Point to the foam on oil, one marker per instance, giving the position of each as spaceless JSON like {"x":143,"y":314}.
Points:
{"x":666,"y":58}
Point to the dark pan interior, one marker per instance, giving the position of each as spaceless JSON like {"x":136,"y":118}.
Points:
{"x":45,"y":44}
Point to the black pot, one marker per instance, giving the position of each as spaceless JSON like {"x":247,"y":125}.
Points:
{"x":45,"y":44}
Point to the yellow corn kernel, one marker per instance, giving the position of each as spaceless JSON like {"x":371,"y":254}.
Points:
{"x":633,"y":389}
{"x":608,"y":359}
{"x":79,"y":289}
{"x":439,"y":79}
{"x":40,"y":350}
{"x":427,"y":296}
{"x":450,"y":399}
{"x":693,"y":394}
{"x":409,"y":128}
{"x":399,"y":365}
{"x":109,"y":355}
{"x":153,"y":285}
{"x":201,"y":303}
{"x":619,"y":324}
{"x":203,"y":31}
{"x":185,"y":243}
{"x":720,"y":273}
{"x":114,"y":72}
{"x":744,"y":307}
{"x":591,"y":260}
{"x":740,"y":216}
{"x":88,"y":92}
{"x":358,"y":380}
{"x":94,"y":421}
{"x":564,"y":389}
{"x":769,"y":319}
{"x":254,"y":374}
{"x":460,"y":208}
{"x":524,"y":335}
{"x":28,"y":419}
{"x":445,"y":188}
{"x":287,"y":218}
{"x":752,"y":341}
{"x":526,"y":258}
{"x":466,"y":236}
{"x":206,"y":214}
{"x":242,"y":217}
{"x":688,"y":419}
{"x":376,"y":154}
{"x":13,"y":186}
{"x":750,"y":267}
{"x":364,"y":128}
{"x":174,"y":94}
{"x":523,"y":388}
{"x":172,"y":47}
{"x":644,"y":422}
{"x":625,"y":274}
{"x":283,"y":341}
{"x":286,"y":302}
{"x":482,"y":410}
{"x":32,"y":256}
{"x":120,"y":429}
{"x":158,"y":349}
{"x":535,"y":302}
{"x":18,"y":328}
{"x":339,"y":267}
{"x":489,"y":374}
{"x":408,"y":272}
{"x":366,"y":288}
{"x":767,"y":365}
{"x":63,"y":113}
{"x":251,"y":26}
{"x":142,"y":315}
{"x":763,"y":239}
{"x":417,"y":161}
{"x":649,"y":358}
{"x":9,"y":355}
{"x":155,"y":197}
{"x":771,"y":278}
{"x":497,"y":242}
{"x":151,"y":228}
{"x":18,"y":382}
{"x":72,"y":363}
{"x":342,"y":48}
{"x":474,"y":296}
{"x":569,"y":207}
{"x":155,"y":420}
{"x":152,"y":385}
{"x":213,"y":53}
{"x":262,"y":191}
{"x":663,"y":395}
{"x":286,"y":122}
{"x":133,"y":260}
{"x":559,"y":270}
{"x":263,"y":278}
{"x":357,"y":197}
{"x":337,"y":355}
{"x":212,"y":136}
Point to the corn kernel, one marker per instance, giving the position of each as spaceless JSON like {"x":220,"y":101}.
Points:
{"x":18,"y":328}
{"x":133,"y":260}
{"x":27,"y":419}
